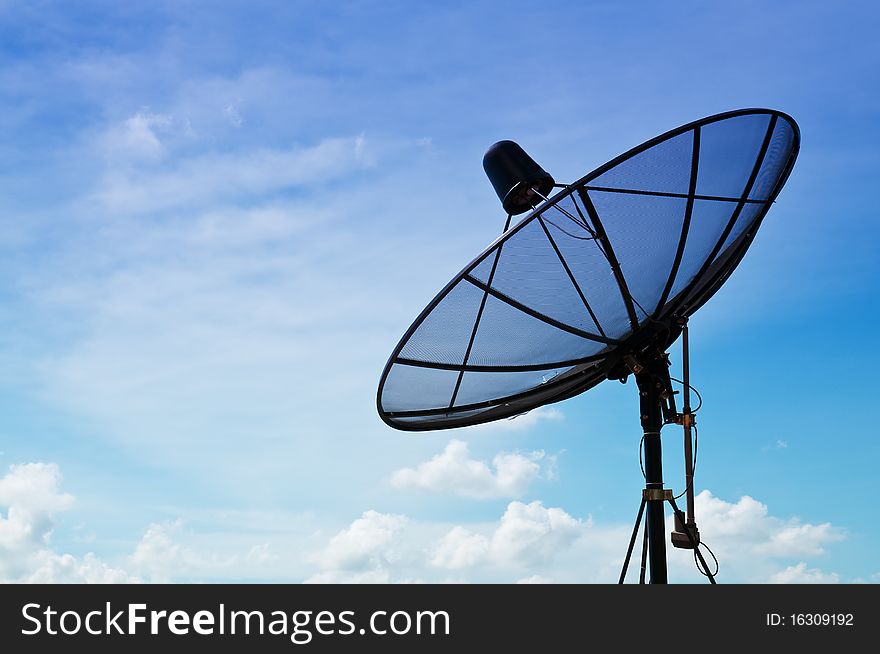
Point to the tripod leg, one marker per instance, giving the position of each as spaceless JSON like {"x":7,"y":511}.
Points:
{"x":694,"y":545}
{"x":644,"y":569}
{"x":632,"y":541}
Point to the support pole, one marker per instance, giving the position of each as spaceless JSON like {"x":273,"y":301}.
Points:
{"x":651,"y":391}
{"x":632,"y":542}
{"x":688,"y":418}
{"x":685,"y":532}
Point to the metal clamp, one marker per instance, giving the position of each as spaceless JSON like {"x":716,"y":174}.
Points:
{"x":656,"y":494}
{"x":685,"y":419}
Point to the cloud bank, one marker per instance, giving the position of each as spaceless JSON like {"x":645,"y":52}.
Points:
{"x":529,"y":543}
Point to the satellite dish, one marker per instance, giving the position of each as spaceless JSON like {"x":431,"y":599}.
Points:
{"x":593,"y":283}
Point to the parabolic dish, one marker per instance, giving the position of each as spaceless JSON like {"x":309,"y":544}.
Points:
{"x":548,"y":309}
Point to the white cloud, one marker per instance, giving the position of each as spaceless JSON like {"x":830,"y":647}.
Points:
{"x":215,"y":178}
{"x":751,"y":544}
{"x":800,"y":574}
{"x":459,"y":549}
{"x":453,"y":471}
{"x":226,"y":545}
{"x":527,"y":535}
{"x":531,"y":534}
{"x":32,"y":497}
{"x":34,"y":487}
{"x":138,"y":137}
{"x":160,"y":556}
{"x":233,"y":115}
{"x":796,"y":539}
{"x":67,"y":569}
{"x":361,"y":551}
{"x":140,"y":132}
{"x":747,"y":526}
{"x":157,"y":553}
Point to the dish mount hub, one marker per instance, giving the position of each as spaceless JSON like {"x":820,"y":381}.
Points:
{"x":515,"y":176}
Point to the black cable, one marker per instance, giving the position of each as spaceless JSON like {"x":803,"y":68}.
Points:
{"x":641,"y":463}
{"x":567,"y":233}
{"x":694,"y":469}
{"x":705,"y":573}
{"x":696,"y":392}
{"x":579,"y":222}
{"x":696,"y":435}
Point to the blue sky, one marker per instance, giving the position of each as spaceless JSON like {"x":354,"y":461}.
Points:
{"x":216,"y":220}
